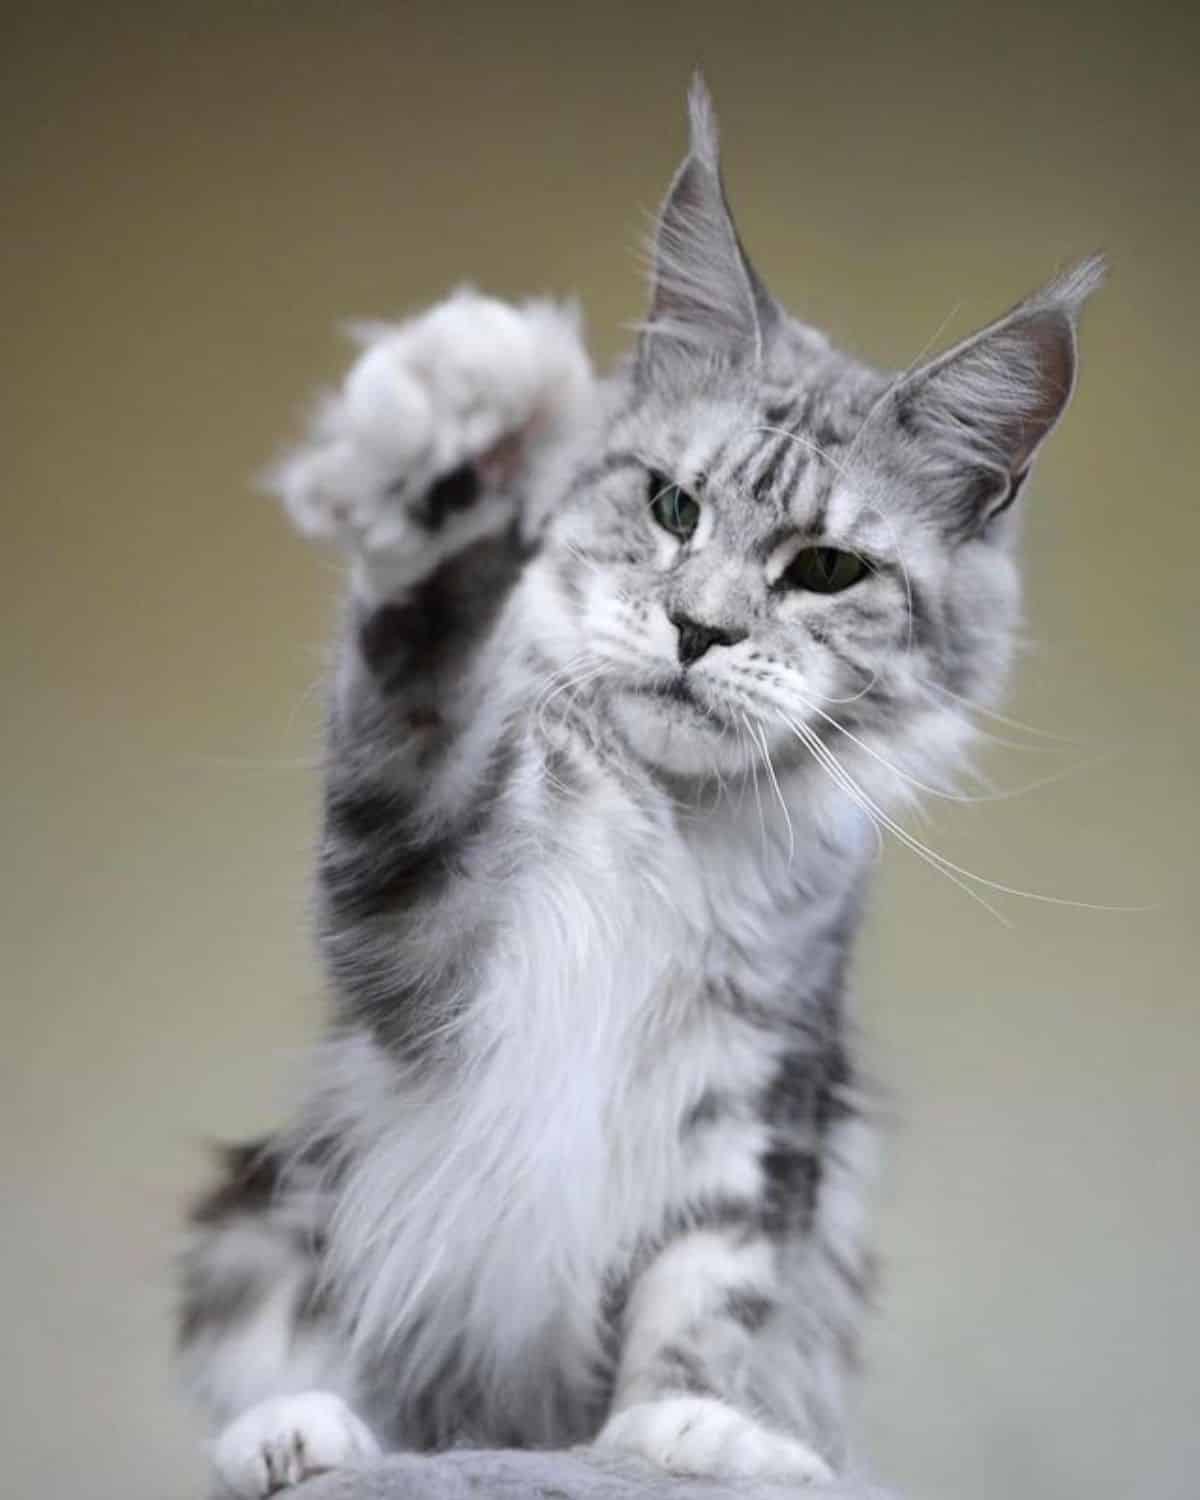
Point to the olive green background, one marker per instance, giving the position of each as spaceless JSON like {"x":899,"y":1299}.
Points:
{"x":192,"y":199}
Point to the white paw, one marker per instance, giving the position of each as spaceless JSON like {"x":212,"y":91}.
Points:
{"x":706,"y":1437}
{"x":284,"y":1440}
{"x":426,"y":397}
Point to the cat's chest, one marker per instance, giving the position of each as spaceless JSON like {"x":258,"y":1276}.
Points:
{"x":633,"y":915}
{"x":612,"y":1019}
{"x":609,"y":1077}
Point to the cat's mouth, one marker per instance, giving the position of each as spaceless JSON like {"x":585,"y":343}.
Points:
{"x":677,"y":690}
{"x":677,"y":724}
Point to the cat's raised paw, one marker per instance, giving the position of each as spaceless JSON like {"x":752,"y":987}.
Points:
{"x":707,"y":1438}
{"x":431,"y":422}
{"x":287,"y":1439}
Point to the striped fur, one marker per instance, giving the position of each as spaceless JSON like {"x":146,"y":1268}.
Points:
{"x":584,"y":1156}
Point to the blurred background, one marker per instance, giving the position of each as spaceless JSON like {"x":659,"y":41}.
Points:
{"x":194,"y":197}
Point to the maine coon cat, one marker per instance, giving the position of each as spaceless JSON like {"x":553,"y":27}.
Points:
{"x":633,"y":670}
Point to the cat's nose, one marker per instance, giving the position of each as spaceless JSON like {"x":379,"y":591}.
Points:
{"x":695,"y":638}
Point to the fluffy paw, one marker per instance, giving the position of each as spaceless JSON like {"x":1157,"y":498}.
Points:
{"x":434,"y":412}
{"x":705,"y":1437}
{"x":287,"y":1439}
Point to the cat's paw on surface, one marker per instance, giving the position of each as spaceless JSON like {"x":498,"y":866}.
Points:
{"x":288,"y":1439}
{"x":434,"y":412}
{"x":707,"y":1438}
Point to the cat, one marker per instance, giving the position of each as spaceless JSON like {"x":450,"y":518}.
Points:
{"x":633,"y":672}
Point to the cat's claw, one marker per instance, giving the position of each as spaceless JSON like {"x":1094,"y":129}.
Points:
{"x":286,"y":1440}
{"x":707,"y":1438}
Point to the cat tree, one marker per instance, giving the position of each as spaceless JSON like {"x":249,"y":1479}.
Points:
{"x":512,"y":1475}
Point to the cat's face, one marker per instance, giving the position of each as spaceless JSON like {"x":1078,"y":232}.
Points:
{"x":774,"y":552}
{"x":743,"y":566}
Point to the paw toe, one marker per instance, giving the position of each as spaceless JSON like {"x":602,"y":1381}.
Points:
{"x":284,"y":1441}
{"x":704,"y":1437}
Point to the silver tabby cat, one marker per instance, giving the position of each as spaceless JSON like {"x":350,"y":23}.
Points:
{"x":633,"y":672}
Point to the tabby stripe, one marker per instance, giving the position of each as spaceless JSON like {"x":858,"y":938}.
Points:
{"x":744,"y":1215}
{"x":783,"y":413}
{"x":216,"y":1304}
{"x":764,"y":480}
{"x":611,"y":463}
{"x":737,"y":476}
{"x":803,"y":454}
{"x":709,"y":469}
{"x":383,"y":870}
{"x":679,"y":1369}
{"x":748,"y":1307}
{"x":252,"y":1174}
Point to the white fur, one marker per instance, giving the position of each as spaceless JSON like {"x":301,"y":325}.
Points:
{"x":683,"y":1287}
{"x":703,"y":1436}
{"x":288,"y":1439}
{"x":562,"y":1141}
{"x":232,"y":1365}
{"x":426,"y":396}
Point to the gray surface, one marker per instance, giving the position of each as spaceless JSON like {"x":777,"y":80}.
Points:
{"x":512,"y":1475}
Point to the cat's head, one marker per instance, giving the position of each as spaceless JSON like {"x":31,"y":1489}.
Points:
{"x":776,"y":548}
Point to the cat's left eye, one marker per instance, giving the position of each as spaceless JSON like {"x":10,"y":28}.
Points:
{"x":823,"y":570}
{"x":673,"y":508}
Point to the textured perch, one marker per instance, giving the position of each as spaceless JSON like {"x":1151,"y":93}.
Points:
{"x":514,"y":1475}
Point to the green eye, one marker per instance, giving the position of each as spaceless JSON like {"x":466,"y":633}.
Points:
{"x":673,"y":508}
{"x":823,"y":570}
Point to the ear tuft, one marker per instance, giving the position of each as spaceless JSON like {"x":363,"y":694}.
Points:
{"x":704,"y":141}
{"x":1071,"y":288}
{"x":706,"y":296}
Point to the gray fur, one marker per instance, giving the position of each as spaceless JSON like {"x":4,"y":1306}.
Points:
{"x":545,"y":1476}
{"x":589,"y":1132}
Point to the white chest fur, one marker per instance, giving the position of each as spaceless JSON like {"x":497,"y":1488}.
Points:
{"x":489,"y":1205}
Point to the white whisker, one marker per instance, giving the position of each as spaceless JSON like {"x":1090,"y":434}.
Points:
{"x":762,"y":822}
{"x":999,"y":718}
{"x":880,"y":403}
{"x":825,"y":757}
{"x":946,"y":865}
{"x":762,"y":740}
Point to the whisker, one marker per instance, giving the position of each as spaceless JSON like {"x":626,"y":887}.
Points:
{"x":907,"y":576}
{"x":999,"y":718}
{"x":198,"y":758}
{"x":1002,"y":742}
{"x":762,"y":822}
{"x":948,"y":865}
{"x":567,"y":679}
{"x":842,"y":778}
{"x":992,"y":795}
{"x":914,"y":781}
{"x":897,"y":380}
{"x":801,"y":442}
{"x":595,"y":567}
{"x":762,"y":740}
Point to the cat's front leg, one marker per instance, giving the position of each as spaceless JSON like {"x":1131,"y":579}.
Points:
{"x":684,"y":1394}
{"x":432,"y":440}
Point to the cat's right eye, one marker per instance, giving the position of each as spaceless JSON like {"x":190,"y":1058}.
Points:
{"x":673,"y":508}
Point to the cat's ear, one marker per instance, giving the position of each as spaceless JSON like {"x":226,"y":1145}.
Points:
{"x":973,"y":419}
{"x":705,"y":294}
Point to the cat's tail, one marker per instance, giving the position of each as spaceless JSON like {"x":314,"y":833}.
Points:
{"x":254,"y":1319}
